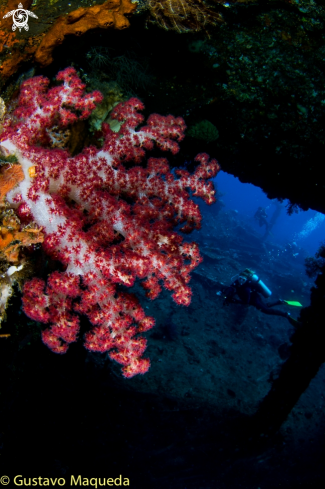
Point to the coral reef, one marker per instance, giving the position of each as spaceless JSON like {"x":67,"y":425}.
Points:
{"x":315,"y":265}
{"x":98,"y":57}
{"x":260,"y":80}
{"x":107,"y":224}
{"x":13,"y":236}
{"x":14,"y":264}
{"x":2,"y":110}
{"x":10,"y":176}
{"x":182,"y":15}
{"x":43,"y":36}
{"x":125,"y":70}
{"x":204,"y":130}
{"x":112,"y":95}
{"x":7,"y":280}
{"x":110,"y":14}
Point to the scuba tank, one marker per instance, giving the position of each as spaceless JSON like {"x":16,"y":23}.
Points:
{"x":257,"y":282}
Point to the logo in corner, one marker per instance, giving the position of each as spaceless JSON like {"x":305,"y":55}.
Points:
{"x":20,"y":18}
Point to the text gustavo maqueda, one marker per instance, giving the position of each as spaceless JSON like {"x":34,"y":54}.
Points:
{"x":73,"y":480}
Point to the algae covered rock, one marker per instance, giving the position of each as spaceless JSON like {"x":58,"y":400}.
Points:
{"x":204,"y":130}
{"x":112,"y":96}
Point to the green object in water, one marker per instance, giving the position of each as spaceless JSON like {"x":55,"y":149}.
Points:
{"x":293,"y":303}
{"x":204,"y":130}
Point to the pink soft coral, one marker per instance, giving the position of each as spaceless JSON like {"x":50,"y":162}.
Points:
{"x":107,"y":223}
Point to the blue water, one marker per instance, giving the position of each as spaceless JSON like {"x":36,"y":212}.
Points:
{"x":307,"y":228}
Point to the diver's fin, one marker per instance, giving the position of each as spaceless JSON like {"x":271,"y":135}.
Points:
{"x":293,"y":303}
{"x":294,"y":322}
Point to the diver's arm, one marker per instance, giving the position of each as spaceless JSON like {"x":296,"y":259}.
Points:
{"x":229,"y":294}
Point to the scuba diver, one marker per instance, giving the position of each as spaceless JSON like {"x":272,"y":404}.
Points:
{"x":249,"y":288}
{"x":260,"y":216}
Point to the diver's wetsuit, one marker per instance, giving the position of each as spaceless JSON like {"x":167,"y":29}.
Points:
{"x":248,"y":295}
{"x":260,"y":216}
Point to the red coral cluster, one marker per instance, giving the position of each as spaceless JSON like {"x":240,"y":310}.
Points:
{"x":108,"y":224}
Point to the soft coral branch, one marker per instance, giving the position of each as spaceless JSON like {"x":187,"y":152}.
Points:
{"x":107,"y":224}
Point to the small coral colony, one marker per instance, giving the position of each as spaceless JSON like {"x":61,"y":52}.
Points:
{"x":110,"y":214}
